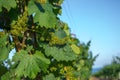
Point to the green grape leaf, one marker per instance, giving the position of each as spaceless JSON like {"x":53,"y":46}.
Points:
{"x":60,"y":33}
{"x":3,"y":40}
{"x":75,"y":48}
{"x":30,"y":65}
{"x":10,"y":75}
{"x":14,"y":17}
{"x":60,"y":54}
{"x":8,"y":4}
{"x":3,"y":70}
{"x":50,"y":77}
{"x":43,"y":14}
{"x":4,"y":53}
{"x":4,"y":76}
{"x":4,"y":50}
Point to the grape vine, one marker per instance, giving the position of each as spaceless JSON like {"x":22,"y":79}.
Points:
{"x":44,"y":47}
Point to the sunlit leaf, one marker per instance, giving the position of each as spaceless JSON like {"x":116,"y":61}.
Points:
{"x":75,"y":48}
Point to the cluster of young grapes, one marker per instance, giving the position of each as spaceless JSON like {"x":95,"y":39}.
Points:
{"x":79,"y":64}
{"x":65,"y":71}
{"x":68,"y":72}
{"x":20,"y":26}
{"x":55,"y":40}
{"x":43,"y":34}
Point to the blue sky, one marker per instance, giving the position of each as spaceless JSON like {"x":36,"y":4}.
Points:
{"x":98,"y":21}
